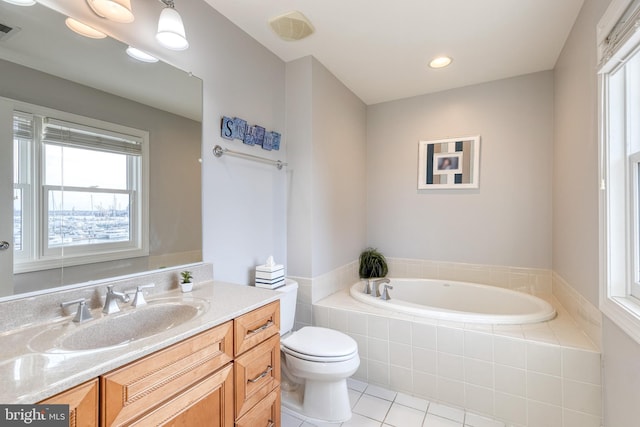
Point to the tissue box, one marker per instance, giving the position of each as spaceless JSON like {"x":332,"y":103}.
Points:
{"x":270,"y":275}
{"x":270,"y":285}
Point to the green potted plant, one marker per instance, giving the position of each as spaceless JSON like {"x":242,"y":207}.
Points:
{"x":372,"y":264}
{"x":185,"y":283}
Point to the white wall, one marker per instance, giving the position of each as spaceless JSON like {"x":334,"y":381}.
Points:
{"x":327,"y":180}
{"x":507,"y":221}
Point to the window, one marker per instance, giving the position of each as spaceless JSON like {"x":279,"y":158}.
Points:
{"x":619,"y":51}
{"x":79,"y":190}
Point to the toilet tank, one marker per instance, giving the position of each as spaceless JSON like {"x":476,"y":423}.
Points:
{"x":288,"y":296}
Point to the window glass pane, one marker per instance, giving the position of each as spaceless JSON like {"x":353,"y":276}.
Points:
{"x":76,"y":167}
{"x":82,"y":218}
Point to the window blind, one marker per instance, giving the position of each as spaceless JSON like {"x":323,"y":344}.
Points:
{"x":624,"y":36}
{"x":22,"y":125}
{"x":67,"y":134}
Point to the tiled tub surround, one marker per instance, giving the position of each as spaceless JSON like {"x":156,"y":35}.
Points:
{"x":544,"y":374}
{"x":529,"y":280}
{"x":29,"y":376}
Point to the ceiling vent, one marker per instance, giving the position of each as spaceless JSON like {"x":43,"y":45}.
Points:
{"x":6,"y":31}
{"x":292,"y":26}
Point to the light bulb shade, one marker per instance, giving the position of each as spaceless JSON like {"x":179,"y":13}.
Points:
{"x":136,"y":53}
{"x":84,"y":29}
{"x":115,"y":10}
{"x":22,"y":2}
{"x":171,"y":30}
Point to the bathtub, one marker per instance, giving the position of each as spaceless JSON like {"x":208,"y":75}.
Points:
{"x":459,"y":302}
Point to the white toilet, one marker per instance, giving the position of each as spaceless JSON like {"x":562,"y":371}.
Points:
{"x":315,"y":365}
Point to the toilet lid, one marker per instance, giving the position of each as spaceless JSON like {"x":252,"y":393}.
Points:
{"x":320,"y":343}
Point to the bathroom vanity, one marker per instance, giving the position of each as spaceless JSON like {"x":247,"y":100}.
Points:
{"x":220,"y":368}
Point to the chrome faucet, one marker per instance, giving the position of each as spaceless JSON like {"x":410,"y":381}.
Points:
{"x":375,"y":291}
{"x":139,"y":300}
{"x":83,"y":314}
{"x":385,"y":292}
{"x":111,"y":300}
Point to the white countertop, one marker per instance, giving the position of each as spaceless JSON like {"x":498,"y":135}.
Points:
{"x":29,"y":376}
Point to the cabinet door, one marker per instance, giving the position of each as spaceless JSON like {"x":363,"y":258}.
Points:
{"x":208,"y":403}
{"x":257,"y":373}
{"x":83,"y":404}
{"x":256,"y":326}
{"x":266,"y":413}
{"x":133,"y":390}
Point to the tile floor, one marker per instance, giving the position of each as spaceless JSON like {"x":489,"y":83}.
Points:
{"x":375,"y":406}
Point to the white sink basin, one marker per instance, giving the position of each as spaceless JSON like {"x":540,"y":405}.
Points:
{"x":120,"y":328}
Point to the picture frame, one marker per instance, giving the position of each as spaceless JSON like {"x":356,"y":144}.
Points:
{"x":452,"y":163}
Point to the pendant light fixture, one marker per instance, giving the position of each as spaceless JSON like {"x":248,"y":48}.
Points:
{"x":171,"y":29}
{"x":84,"y":29}
{"x":22,"y":2}
{"x":114,"y":10}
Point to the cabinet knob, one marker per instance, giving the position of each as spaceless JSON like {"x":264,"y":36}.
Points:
{"x":4,"y":245}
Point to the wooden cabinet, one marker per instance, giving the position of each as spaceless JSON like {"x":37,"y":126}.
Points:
{"x":155,"y":387}
{"x":257,"y":367}
{"x":254,"y":327}
{"x":195,"y":382}
{"x":83,"y":404}
{"x":266,"y":413}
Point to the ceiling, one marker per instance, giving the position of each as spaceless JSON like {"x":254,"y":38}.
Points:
{"x":380,"y":48}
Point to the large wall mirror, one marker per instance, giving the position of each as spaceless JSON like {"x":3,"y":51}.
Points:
{"x":44,"y":64}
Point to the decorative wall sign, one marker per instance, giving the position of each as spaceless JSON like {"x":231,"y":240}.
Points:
{"x":238,"y":128}
{"x":449,"y":163}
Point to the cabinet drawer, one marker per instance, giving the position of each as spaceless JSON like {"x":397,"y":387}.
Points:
{"x":265,"y":414}
{"x":257,"y":373}
{"x":256,"y":326}
{"x":134,"y":389}
{"x":207,"y":403}
{"x":82,"y":401}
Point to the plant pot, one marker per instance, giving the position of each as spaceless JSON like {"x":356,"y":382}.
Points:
{"x":186,"y":287}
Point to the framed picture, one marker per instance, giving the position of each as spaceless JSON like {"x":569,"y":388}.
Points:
{"x":449,"y":163}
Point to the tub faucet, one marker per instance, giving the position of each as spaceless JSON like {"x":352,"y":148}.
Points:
{"x":385,"y":292}
{"x":111,"y":300}
{"x":375,"y":291}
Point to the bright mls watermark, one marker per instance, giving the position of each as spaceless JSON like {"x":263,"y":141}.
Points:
{"x":34,"y":415}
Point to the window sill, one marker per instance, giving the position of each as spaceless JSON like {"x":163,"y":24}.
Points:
{"x":624,"y":312}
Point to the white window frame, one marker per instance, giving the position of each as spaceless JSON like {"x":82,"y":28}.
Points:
{"x":42,"y":258}
{"x":619,"y":199}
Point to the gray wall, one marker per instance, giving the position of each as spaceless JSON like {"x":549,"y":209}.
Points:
{"x":507,"y":221}
{"x":175,"y":204}
{"x":575,"y":219}
{"x":327,"y":182}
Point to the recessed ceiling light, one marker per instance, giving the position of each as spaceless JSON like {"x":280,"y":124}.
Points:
{"x":440,"y":62}
{"x":136,"y":53}
{"x":84,"y":29}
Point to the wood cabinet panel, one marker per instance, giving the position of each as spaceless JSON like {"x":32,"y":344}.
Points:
{"x":134,"y":389}
{"x":257,"y":373}
{"x":83,"y":404}
{"x":254,"y":327}
{"x":266,"y":413}
{"x":208,"y":403}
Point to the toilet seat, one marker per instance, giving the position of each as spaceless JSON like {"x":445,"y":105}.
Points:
{"x":319,"y":345}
